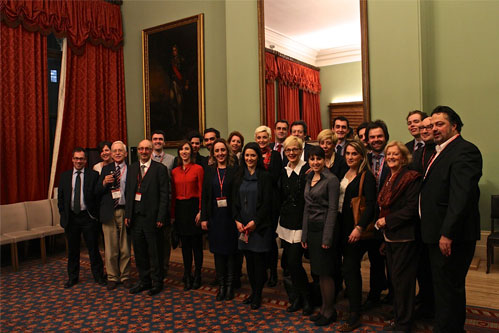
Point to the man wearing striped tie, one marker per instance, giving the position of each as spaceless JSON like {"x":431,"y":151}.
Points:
{"x":111,"y":189}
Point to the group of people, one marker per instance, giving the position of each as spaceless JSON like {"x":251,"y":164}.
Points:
{"x":412,"y":207}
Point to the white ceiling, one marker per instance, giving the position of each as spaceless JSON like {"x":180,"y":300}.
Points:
{"x":313,"y":25}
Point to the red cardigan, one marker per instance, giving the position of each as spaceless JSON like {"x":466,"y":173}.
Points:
{"x":187,"y":184}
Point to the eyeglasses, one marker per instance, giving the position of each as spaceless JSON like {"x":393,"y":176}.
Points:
{"x":428,"y":128}
{"x":144,"y":148}
{"x":292,"y":150}
{"x":79,"y":158}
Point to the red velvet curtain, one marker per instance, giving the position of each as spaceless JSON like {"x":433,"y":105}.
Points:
{"x":270,"y":76}
{"x":80,"y":21}
{"x":292,"y":78}
{"x":94,"y":107}
{"x":24,"y":128}
{"x":312,"y":113}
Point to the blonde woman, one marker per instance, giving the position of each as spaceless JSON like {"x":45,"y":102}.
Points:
{"x":334,"y":162}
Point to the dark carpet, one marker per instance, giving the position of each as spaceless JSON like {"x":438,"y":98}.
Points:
{"x":33,"y":300}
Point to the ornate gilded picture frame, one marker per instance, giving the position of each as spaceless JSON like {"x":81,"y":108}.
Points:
{"x":173,"y":79}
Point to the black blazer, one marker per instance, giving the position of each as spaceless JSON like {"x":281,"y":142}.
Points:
{"x":339,"y":167}
{"x":291,"y":193}
{"x":103,"y":194}
{"x":410,"y":146}
{"x":154,"y":188}
{"x":283,"y":158}
{"x":403,"y":220}
{"x":450,"y":194}
{"x":207,"y":195}
{"x":263,"y":202}
{"x":352,"y":191}
{"x":421,"y":158}
{"x":66,"y":189}
{"x":306,"y":150}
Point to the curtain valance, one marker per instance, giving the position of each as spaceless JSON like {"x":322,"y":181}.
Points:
{"x":95,"y":21}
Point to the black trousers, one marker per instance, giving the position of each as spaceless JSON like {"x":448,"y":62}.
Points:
{"x":79,"y":224}
{"x":401,"y":258}
{"x":293,"y":254}
{"x":192,"y":245}
{"x":427,"y":299}
{"x":148,"y":250}
{"x":257,"y":275}
{"x":449,"y":278}
{"x":352,"y":256}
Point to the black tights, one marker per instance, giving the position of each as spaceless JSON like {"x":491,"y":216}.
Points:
{"x":255,"y":265}
{"x":190,"y":245}
{"x":328,"y":295}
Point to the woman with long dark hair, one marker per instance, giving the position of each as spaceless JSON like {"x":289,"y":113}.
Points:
{"x":216,"y":216}
{"x":252,"y":212}
{"x":104,"y":148}
{"x":187,"y":185}
{"x":356,"y":239}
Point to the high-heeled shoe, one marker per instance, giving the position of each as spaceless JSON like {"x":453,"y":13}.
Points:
{"x":249,"y":299}
{"x":324,"y":321}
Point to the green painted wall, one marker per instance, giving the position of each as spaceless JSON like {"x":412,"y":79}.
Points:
{"x":340,"y":83}
{"x":243,"y":94}
{"x":139,"y":15}
{"x":462,"y":70}
{"x":439,"y":52}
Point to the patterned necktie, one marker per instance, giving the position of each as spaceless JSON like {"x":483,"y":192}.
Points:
{"x":142,"y":170}
{"x":338,"y":149}
{"x":117,"y":183}
{"x":77,"y":194}
{"x":418,"y":146}
{"x":279,"y":147}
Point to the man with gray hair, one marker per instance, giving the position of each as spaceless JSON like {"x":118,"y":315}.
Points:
{"x":111,"y":189}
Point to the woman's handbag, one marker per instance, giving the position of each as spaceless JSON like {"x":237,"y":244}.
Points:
{"x":358,"y":205}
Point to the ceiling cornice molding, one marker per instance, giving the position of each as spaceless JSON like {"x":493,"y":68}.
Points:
{"x":319,"y":58}
{"x":338,"y":55}
{"x":283,"y":44}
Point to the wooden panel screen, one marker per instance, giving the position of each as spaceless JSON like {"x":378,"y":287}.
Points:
{"x":353,"y":111}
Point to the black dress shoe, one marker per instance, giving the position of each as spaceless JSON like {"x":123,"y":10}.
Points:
{"x":256,"y":303}
{"x":139,"y":287}
{"x":352,"y":323}
{"x":187,"y":282}
{"x":111,"y":285}
{"x":196,"y":284}
{"x":307,"y":307}
{"x":295,"y":306}
{"x":249,"y":299}
{"x":70,"y":283}
{"x":323,"y":321}
{"x":101,"y":281}
{"x":315,"y":317}
{"x":155,"y":290}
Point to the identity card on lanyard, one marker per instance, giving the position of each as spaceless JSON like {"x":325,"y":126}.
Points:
{"x":221,"y":201}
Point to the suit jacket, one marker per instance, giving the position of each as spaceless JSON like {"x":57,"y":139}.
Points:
{"x":207,"y":195}
{"x":155,"y":197}
{"x":306,"y":150}
{"x":284,"y":158}
{"x":103,"y":194}
{"x":421,"y":157}
{"x":263,"y":203}
{"x":410,"y":146}
{"x":450,"y":194}
{"x":403,"y":221}
{"x":66,"y":189}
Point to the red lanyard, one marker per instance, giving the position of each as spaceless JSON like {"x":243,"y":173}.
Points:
{"x":432,"y":158}
{"x":221,"y":181}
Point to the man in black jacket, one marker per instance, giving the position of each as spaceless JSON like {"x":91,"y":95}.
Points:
{"x":146,"y":212}
{"x":78,"y":209}
{"x":450,"y":218}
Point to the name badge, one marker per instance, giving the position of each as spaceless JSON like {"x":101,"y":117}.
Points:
{"x":138,"y":196}
{"x":221,"y":202}
{"x":116,"y":194}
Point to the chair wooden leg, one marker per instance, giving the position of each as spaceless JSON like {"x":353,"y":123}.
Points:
{"x":13,"y":255}
{"x":43,"y":250}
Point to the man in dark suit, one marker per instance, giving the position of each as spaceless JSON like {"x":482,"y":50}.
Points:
{"x":111,"y":190}
{"x":146,"y":212}
{"x":450,"y":218}
{"x":341,"y":127}
{"x":78,"y":210}
{"x":299,"y":128}
{"x":281,"y":130}
{"x":377,"y":138}
{"x":414,"y":119}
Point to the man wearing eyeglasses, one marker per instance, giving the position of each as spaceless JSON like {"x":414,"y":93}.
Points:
{"x":78,"y":210}
{"x":421,"y":157}
{"x":146,"y":212}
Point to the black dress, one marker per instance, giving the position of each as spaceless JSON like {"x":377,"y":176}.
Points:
{"x":222,"y":230}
